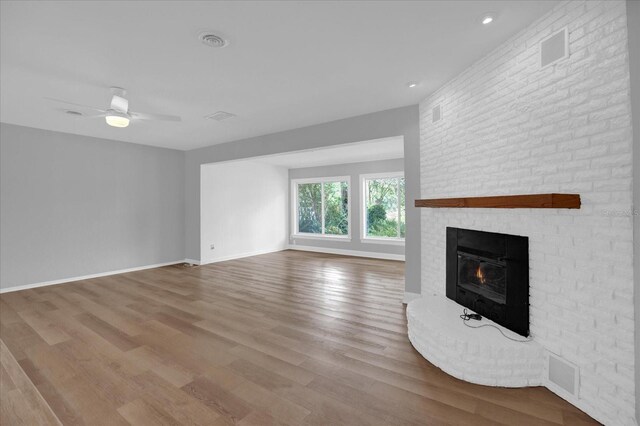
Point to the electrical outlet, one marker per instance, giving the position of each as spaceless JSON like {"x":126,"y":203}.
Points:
{"x":212,"y":247}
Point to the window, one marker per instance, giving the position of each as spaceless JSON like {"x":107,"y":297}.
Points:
{"x":383,"y":215}
{"x":321,"y":207}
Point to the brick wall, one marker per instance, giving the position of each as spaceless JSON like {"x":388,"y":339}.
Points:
{"x":510,"y":127}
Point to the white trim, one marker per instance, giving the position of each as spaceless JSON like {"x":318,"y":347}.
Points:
{"x":364,"y":239}
{"x":321,"y":237}
{"x":319,"y":148}
{"x":371,"y":254}
{"x":399,"y":173}
{"x":242,"y":255}
{"x":408,"y":297}
{"x":294,"y":206}
{"x":387,"y":241}
{"x":322,"y":179}
{"x":87,"y":277}
{"x":192,"y":261}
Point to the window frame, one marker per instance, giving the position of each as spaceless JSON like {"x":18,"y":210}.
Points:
{"x":363,"y":207}
{"x":294,"y":208}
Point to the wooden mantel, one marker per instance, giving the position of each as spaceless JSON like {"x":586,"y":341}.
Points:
{"x":530,"y":201}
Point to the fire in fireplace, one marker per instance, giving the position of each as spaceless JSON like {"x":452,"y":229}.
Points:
{"x":489,"y":273}
{"x":482,"y":275}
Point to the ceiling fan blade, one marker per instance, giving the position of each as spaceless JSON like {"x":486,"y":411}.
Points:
{"x":75,"y":105}
{"x":159,"y":117}
{"x":77,"y":114}
{"x":120,"y":104}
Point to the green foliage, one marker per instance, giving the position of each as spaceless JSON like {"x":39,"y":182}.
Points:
{"x":385,"y":201}
{"x":310,"y":208}
{"x":383,"y":192}
{"x":384,"y":228}
{"x":376,"y":214}
{"x":378,"y":224}
{"x":335,"y":230}
{"x":336,"y":208}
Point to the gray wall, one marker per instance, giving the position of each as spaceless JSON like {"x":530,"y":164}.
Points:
{"x":354,"y":170}
{"x":633,"y":25}
{"x":395,"y":122}
{"x":74,"y":205}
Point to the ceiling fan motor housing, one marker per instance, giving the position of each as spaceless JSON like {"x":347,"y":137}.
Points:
{"x":120,"y":104}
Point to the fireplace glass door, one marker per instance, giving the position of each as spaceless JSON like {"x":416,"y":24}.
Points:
{"x":483,"y":276}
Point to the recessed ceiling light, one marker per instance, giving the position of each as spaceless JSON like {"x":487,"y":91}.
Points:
{"x":220,"y":116}
{"x":487,"y":19}
{"x":213,"y":40}
{"x":412,"y":84}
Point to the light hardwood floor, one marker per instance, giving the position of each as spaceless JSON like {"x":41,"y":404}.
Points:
{"x":285,"y":338}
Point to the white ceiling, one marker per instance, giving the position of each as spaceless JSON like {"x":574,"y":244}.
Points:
{"x":379,"y":149}
{"x":289,"y":64}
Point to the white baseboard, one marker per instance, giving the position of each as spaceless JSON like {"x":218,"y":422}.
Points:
{"x":408,"y":297}
{"x":197,"y":262}
{"x":87,"y":277}
{"x":241,"y":255}
{"x":344,"y":252}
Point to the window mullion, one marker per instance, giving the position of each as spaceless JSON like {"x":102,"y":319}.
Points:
{"x":398,"y":194}
{"x":322,"y":204}
{"x":365,"y":214}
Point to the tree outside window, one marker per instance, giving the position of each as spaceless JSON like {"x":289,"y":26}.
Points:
{"x":323,"y":208}
{"x":385,"y":209}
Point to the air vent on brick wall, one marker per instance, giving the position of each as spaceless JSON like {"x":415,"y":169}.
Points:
{"x":554,"y":48}
{"x":220,"y":116}
{"x":562,"y":375}
{"x":437,"y":113}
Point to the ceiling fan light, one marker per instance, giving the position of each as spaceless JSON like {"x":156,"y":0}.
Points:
{"x":117,"y":119}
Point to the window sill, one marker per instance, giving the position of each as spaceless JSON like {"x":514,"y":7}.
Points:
{"x":344,"y":238}
{"x":387,"y":241}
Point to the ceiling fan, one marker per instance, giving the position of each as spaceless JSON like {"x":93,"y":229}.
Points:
{"x":118,"y":113}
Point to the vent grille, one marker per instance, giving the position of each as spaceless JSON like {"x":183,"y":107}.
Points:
{"x":437,"y":114}
{"x":562,"y":374}
{"x":554,"y":48}
{"x":219,"y":116}
{"x":213,"y":40}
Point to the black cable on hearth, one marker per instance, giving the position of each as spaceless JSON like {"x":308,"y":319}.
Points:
{"x":467,"y":316}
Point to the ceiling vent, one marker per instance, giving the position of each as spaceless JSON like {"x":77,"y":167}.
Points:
{"x":219,"y":116}
{"x":72,"y":112}
{"x":213,"y":40}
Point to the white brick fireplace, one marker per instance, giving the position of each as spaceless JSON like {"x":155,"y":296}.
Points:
{"x":509,"y":126}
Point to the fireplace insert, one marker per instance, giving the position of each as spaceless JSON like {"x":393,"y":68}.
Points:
{"x":489,"y":273}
